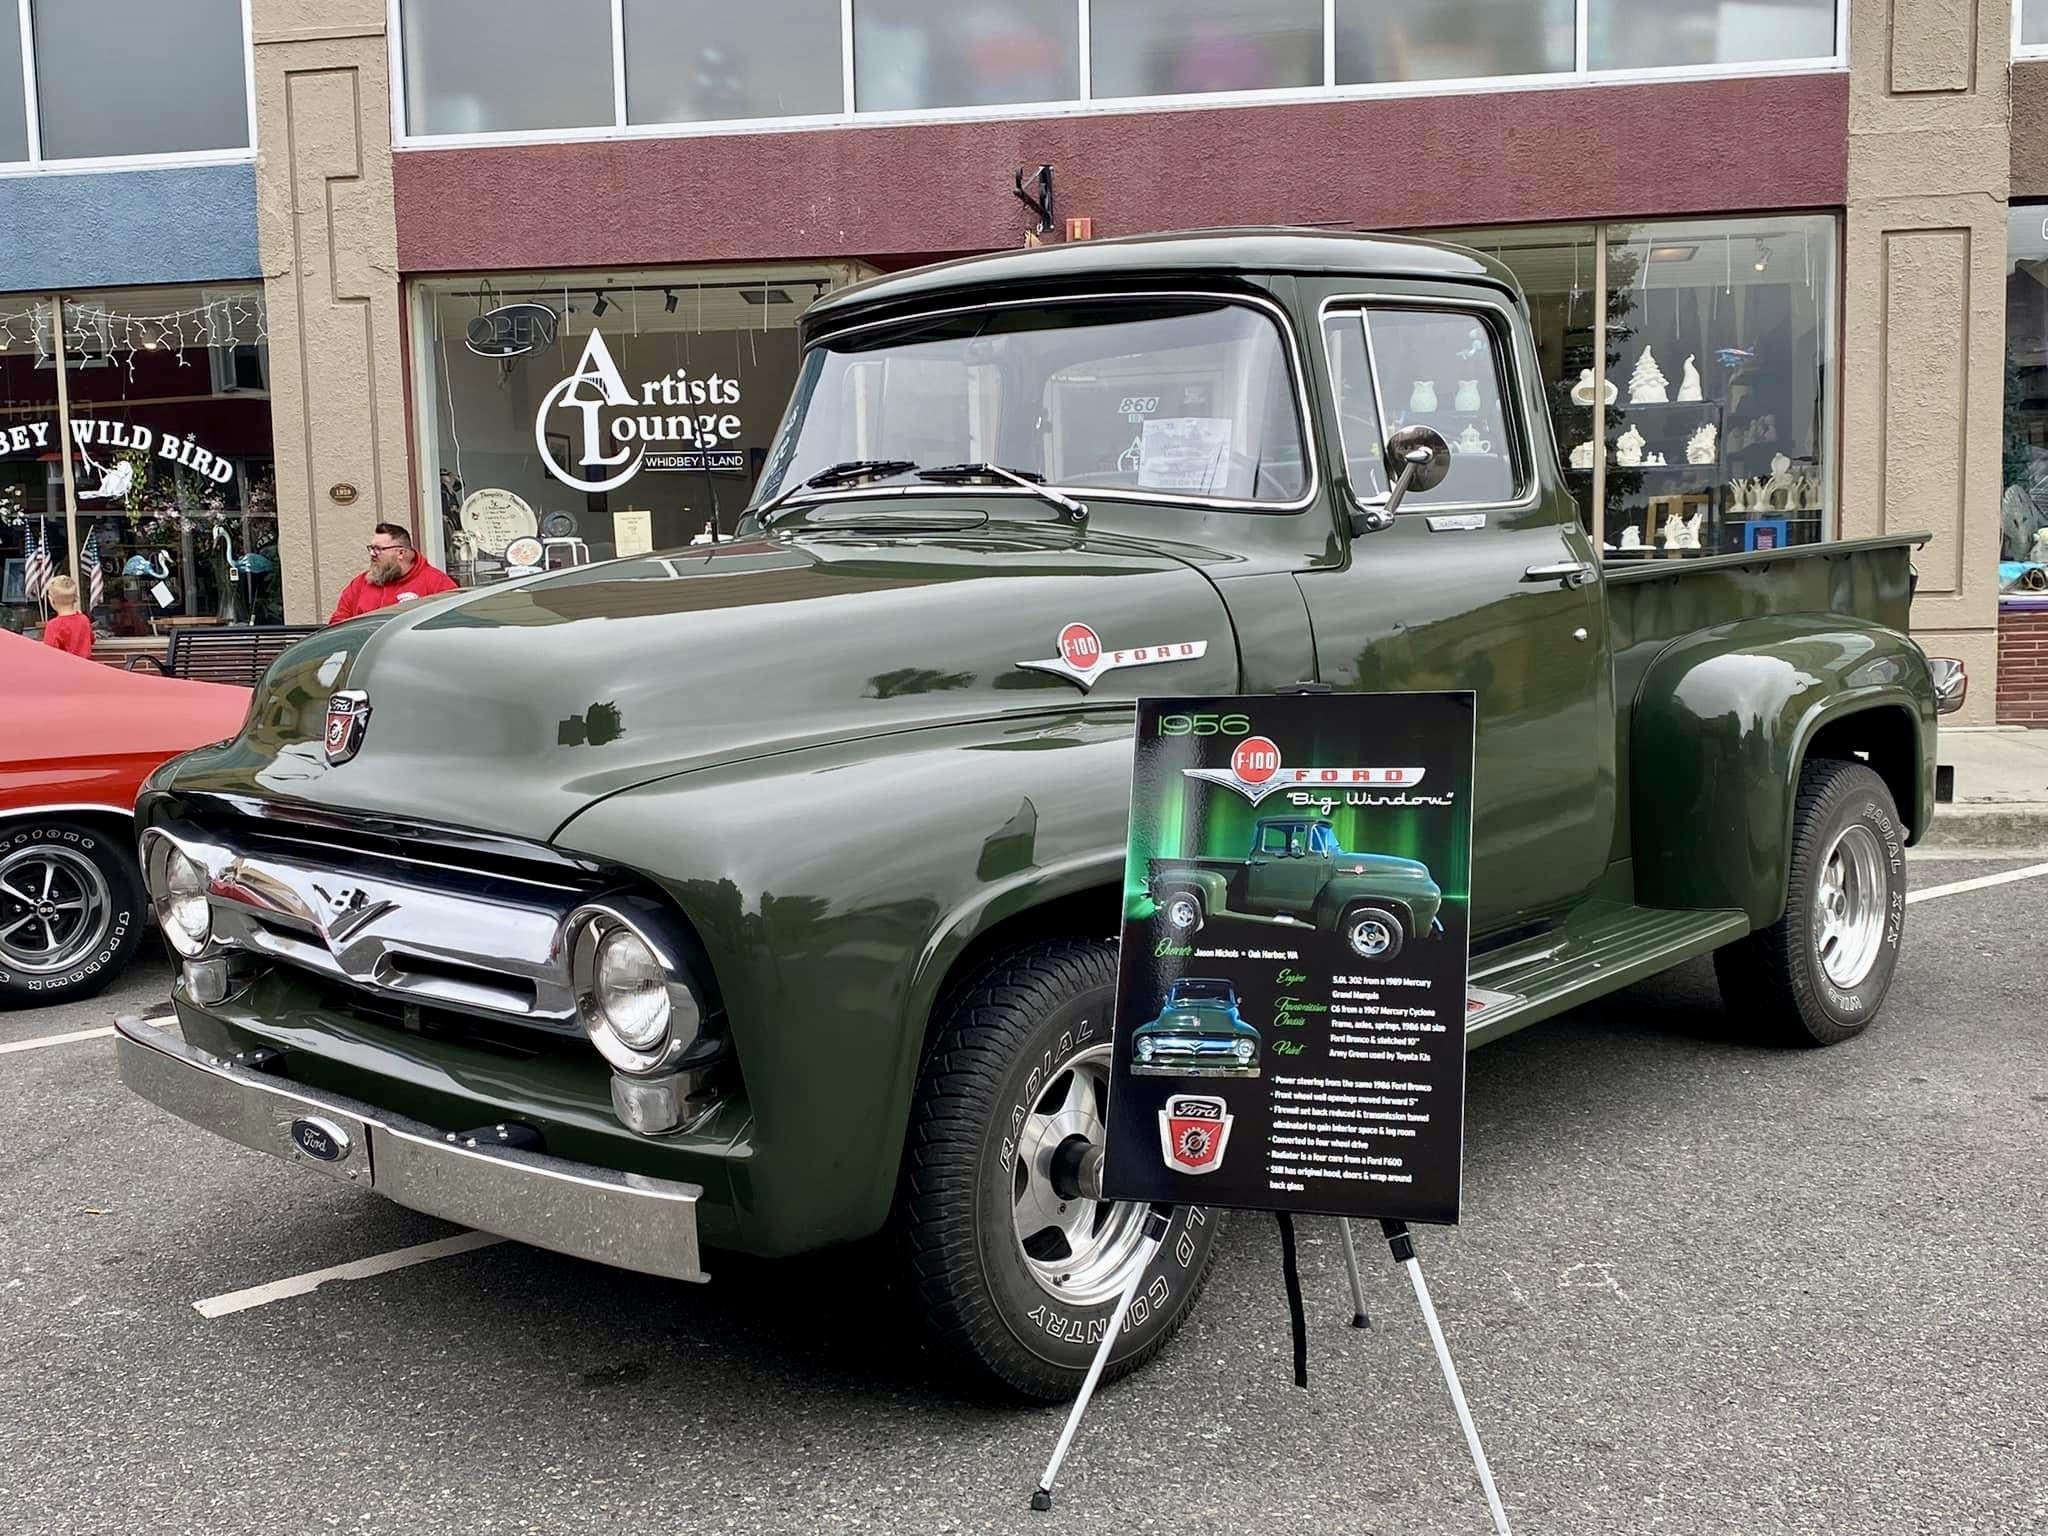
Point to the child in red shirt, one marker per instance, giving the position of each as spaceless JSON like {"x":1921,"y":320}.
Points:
{"x":70,"y":630}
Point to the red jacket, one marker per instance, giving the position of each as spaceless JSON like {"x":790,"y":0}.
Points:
{"x":70,"y":632}
{"x":364,"y":596}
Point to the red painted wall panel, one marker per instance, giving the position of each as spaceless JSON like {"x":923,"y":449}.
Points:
{"x":921,"y":191}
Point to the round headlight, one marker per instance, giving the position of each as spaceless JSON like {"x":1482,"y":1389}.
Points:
{"x":631,"y":991}
{"x":1244,"y":1050}
{"x":1144,"y":1050}
{"x":186,"y":917}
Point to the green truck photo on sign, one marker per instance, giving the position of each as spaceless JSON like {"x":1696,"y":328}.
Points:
{"x":1291,"y":994}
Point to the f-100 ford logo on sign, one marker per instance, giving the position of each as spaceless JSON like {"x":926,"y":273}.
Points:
{"x":613,"y":432}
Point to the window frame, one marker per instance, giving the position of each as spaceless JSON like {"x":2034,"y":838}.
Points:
{"x":1492,"y":314}
{"x":1275,"y":313}
{"x":37,"y":164}
{"x":1086,"y":104}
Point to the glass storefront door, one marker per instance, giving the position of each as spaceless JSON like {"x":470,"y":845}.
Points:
{"x":570,"y":417}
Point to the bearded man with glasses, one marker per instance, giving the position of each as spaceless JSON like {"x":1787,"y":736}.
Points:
{"x":397,"y":573}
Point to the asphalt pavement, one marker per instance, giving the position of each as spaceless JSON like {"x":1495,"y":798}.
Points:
{"x":1701,"y":1286}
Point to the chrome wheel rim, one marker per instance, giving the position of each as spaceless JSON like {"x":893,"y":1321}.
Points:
{"x":1078,"y":1250}
{"x":54,"y":907}
{"x":1181,"y":912}
{"x":1849,"y":906}
{"x":1370,"y":937}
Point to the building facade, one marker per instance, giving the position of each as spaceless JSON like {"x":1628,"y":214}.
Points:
{"x":1780,"y":255}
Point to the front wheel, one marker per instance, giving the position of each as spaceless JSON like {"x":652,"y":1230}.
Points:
{"x":1818,"y":975}
{"x":1184,"y":914}
{"x":71,"y":911}
{"x":1013,"y":1270}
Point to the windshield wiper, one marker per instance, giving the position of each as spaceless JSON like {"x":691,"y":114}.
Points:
{"x":1035,"y":484}
{"x":834,"y":474}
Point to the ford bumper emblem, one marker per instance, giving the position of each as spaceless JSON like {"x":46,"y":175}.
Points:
{"x":321,"y":1140}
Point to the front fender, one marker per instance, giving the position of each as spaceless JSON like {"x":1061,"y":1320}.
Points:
{"x":1723,"y":721}
{"x":832,"y":890}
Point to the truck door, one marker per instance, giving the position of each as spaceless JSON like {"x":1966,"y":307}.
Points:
{"x":1487,"y":581}
{"x":1279,"y":881}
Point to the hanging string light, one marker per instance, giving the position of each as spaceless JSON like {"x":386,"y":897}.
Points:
{"x":94,"y":329}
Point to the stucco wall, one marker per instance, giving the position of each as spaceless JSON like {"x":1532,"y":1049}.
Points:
{"x":927,"y":190}
{"x":104,"y":229}
{"x":2030,"y":129}
{"x":1923,"y":312}
{"x":330,"y":267}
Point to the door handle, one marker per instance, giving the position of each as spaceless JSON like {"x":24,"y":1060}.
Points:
{"x":1573,"y":573}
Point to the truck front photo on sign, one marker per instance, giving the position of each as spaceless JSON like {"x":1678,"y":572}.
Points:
{"x":1291,"y":995}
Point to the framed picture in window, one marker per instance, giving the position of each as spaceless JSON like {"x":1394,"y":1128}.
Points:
{"x":1764,"y":533}
{"x":14,"y":582}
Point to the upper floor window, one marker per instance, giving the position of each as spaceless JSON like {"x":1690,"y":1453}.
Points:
{"x":591,"y":67}
{"x":2030,"y":26}
{"x":190,"y":98}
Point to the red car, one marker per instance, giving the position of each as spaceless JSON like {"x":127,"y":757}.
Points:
{"x":76,"y":741}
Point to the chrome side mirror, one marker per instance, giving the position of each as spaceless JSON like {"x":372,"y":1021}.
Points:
{"x":1951,"y":683}
{"x":1418,"y":458}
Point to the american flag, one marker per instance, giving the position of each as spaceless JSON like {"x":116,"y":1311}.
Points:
{"x":39,"y":571}
{"x":89,"y":557}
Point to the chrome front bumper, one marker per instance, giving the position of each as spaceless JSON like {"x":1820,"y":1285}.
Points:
{"x":623,"y":1219}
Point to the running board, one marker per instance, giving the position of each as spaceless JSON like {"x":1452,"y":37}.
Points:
{"x":1604,"y":948}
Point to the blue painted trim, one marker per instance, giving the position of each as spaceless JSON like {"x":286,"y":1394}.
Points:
{"x":106,"y":229}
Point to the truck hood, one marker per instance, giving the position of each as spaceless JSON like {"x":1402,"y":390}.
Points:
{"x":511,"y":708}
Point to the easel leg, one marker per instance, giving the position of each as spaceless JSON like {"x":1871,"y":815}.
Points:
{"x":1404,"y":1254}
{"x":1358,"y":1317}
{"x":1157,"y":1219}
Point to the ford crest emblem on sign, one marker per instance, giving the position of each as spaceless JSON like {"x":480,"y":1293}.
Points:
{"x":348,"y":716}
{"x":321,"y":1140}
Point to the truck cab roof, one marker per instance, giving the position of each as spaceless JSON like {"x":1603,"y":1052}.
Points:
{"x":1219,"y":254}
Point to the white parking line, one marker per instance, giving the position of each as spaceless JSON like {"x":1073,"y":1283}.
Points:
{"x":358,"y":1269}
{"x":38,"y":1043}
{"x":2031,"y":872}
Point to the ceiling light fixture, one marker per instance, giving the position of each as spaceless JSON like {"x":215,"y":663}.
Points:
{"x":601,"y":305}
{"x":668,"y":300}
{"x":765,"y":296}
{"x":1763,"y":256}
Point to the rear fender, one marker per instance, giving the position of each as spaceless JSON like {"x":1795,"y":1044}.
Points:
{"x":1212,"y":886}
{"x":1722,"y":723}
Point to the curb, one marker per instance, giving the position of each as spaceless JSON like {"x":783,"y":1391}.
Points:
{"x":2017,"y":825}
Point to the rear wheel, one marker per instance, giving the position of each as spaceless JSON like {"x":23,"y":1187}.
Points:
{"x":1014,"y":1271}
{"x":71,"y":911}
{"x":1372,"y":933}
{"x":1819,"y":974}
{"x":1183,"y":912}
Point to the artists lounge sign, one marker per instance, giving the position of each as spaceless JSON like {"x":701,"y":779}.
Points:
{"x":88,"y":433}
{"x":612,"y":435}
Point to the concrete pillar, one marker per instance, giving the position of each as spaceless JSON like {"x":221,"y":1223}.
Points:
{"x":329,"y":241}
{"x":1923,"y":311}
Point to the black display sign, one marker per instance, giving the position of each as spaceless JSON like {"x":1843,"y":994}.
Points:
{"x":1290,"y":1022}
{"x":512,"y":330}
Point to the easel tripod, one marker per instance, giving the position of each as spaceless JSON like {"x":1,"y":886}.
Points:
{"x":1402,"y":1245}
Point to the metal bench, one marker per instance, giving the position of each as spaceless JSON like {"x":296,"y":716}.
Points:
{"x":216,"y":654}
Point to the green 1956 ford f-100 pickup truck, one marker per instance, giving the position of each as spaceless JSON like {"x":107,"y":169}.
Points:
{"x":756,"y":897}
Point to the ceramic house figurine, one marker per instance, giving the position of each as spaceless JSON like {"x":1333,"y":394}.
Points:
{"x":1423,"y":396}
{"x":1689,"y":384}
{"x":1582,"y":392}
{"x":1628,"y":448}
{"x":1468,"y":395}
{"x":1631,"y":538}
{"x":1582,"y":456}
{"x":1699,"y":448}
{"x":1647,"y":385}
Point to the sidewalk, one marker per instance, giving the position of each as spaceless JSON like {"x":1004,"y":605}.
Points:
{"x":2001,"y":788}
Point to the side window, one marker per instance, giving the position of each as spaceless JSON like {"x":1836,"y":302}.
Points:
{"x":1439,"y":368}
{"x":1273,"y":840}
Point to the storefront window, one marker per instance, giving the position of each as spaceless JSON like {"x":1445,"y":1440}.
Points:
{"x":194,"y":80}
{"x":2033,"y":23}
{"x":13,"y":110}
{"x":2023,"y":521}
{"x":1715,"y":391}
{"x":174,"y":504}
{"x":941,"y":53}
{"x":767,"y":58}
{"x":1171,"y":47}
{"x":1388,"y":40}
{"x":478,"y":66}
{"x":575,"y":417}
{"x":1644,"y":34}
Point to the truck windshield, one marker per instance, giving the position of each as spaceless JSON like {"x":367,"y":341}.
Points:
{"x":1202,"y":992}
{"x":1176,"y":399}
